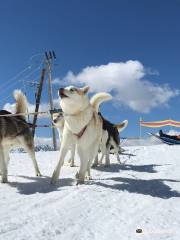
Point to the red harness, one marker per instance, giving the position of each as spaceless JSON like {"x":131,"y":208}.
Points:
{"x":79,"y":135}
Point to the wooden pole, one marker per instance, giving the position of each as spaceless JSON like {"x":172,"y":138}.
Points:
{"x":51,"y":101}
{"x":38,"y":99}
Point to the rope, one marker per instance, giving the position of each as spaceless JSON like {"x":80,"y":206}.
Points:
{"x":31,"y":113}
{"x":41,"y":126}
{"x":23,"y":114}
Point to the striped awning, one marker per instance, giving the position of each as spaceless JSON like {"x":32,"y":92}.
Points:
{"x":158,"y":124}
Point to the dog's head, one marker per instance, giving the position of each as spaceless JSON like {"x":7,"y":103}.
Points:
{"x":58,"y":119}
{"x":73,"y":99}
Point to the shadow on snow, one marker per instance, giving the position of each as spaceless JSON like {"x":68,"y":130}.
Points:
{"x":152,"y":187}
{"x":128,"y":167}
{"x":40,"y":185}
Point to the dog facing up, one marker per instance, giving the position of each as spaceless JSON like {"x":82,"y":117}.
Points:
{"x":82,"y":127}
{"x":15,"y":131}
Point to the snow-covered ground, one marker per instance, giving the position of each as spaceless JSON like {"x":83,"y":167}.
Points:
{"x":143,"y":193}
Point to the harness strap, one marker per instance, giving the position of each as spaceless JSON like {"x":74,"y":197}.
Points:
{"x":79,"y":135}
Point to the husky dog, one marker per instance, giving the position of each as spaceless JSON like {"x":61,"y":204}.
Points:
{"x":58,"y":122}
{"x":15,"y":131}
{"x":82,"y":127}
{"x":110,"y":140}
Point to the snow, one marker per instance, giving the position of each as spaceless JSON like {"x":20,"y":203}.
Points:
{"x":144,"y":193}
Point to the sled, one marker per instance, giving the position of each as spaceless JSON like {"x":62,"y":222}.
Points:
{"x":166,"y":139}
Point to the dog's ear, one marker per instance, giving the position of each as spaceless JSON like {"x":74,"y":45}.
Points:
{"x":85,"y":89}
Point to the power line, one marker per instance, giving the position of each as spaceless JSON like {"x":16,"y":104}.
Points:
{"x":15,"y":77}
{"x":21,"y":80}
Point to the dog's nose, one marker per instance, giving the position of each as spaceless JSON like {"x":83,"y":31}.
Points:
{"x":61,"y":91}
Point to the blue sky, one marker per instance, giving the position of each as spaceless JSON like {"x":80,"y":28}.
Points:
{"x":142,"y":33}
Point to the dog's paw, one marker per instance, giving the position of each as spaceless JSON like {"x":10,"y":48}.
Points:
{"x":94,"y":165}
{"x":72,"y":165}
{"x":38,"y":174}
{"x":54,"y":178}
{"x":79,"y":181}
{"x":53,"y":181}
{"x":77,"y":175}
{"x":89,"y":177}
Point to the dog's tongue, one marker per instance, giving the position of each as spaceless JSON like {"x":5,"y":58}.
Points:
{"x":61,"y":93}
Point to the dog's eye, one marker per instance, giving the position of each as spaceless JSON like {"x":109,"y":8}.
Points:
{"x":71,"y":90}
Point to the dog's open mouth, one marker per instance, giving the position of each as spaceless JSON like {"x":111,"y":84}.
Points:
{"x":62,"y":95}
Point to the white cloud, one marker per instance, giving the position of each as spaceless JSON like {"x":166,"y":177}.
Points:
{"x":56,"y":81}
{"x":128,"y":83}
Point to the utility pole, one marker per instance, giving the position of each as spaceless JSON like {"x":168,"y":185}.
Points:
{"x":38,"y":98}
{"x":49,"y":57}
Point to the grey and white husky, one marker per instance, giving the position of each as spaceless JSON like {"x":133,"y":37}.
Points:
{"x":15,"y":131}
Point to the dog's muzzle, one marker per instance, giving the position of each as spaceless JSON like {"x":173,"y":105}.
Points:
{"x":54,"y":121}
{"x":61,"y":93}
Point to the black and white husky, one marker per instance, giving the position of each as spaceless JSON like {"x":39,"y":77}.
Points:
{"x":110,"y":140}
{"x":82,"y":127}
{"x":15,"y":131}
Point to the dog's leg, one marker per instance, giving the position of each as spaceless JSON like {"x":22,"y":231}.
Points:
{"x":32,"y":155}
{"x":118,"y":158}
{"x":93,"y":153}
{"x":6,"y":156}
{"x":101,"y":159}
{"x":96,"y":160}
{"x":72,"y":156}
{"x":3,"y":166}
{"x":107,"y":163}
{"x":103,"y":151}
{"x":29,"y":147}
{"x":83,"y":165}
{"x":56,"y":172}
{"x":117,"y":149}
{"x":66,"y":144}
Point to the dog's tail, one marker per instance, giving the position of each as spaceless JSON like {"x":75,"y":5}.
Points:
{"x":21,"y":102}
{"x":121,"y":126}
{"x":98,"y":98}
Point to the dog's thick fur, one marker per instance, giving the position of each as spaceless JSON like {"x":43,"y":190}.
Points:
{"x":15,"y":131}
{"x":83,"y":127}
